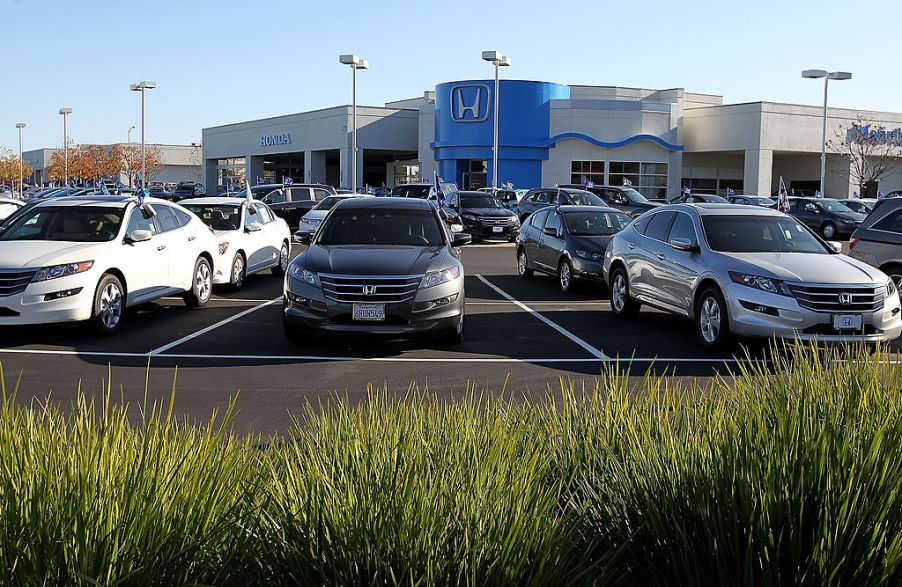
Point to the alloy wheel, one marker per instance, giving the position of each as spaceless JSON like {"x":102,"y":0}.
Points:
{"x":565,"y":276}
{"x":710,"y":320}
{"x":283,"y":257}
{"x":238,"y":271}
{"x":521,"y":262}
{"x":202,"y":281}
{"x":618,"y":292}
{"x":110,"y":306}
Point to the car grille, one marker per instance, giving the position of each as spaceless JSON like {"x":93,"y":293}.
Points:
{"x":493,"y":221}
{"x":389,"y":289}
{"x":14,"y":281}
{"x":827,"y":298}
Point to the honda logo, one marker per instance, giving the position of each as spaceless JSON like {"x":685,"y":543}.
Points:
{"x":470,"y":103}
{"x":845,"y":298}
{"x":369,"y":290}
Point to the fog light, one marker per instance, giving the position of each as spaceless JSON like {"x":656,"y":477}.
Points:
{"x":760,"y":308}
{"x":58,"y":295}
{"x":446,"y":300}
{"x":295,"y":299}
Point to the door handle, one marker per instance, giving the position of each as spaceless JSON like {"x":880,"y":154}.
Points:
{"x":161,"y":247}
{"x":631,"y":246}
{"x":191,"y":238}
{"x":661,"y":256}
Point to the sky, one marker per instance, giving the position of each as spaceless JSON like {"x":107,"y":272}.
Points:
{"x":225,"y":61}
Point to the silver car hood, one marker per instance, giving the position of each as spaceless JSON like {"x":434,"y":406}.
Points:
{"x":810,"y":267}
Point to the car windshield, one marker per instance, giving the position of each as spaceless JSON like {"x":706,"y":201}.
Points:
{"x":481,"y":201}
{"x":759,"y":234}
{"x":580,"y":198}
{"x":328,"y":203}
{"x":834,"y":206}
{"x":763,"y":201}
{"x":66,"y":223}
{"x":412,"y":191}
{"x":635,"y":197}
{"x":219,"y":217}
{"x":381,"y":226}
{"x":595,"y":223}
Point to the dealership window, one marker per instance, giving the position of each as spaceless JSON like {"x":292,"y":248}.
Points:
{"x":406,"y":172}
{"x":230,"y":169}
{"x":649,"y":179}
{"x":584,"y":171}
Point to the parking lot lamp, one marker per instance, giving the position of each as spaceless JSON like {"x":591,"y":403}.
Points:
{"x":498,"y":60}
{"x":20,"y":126}
{"x":143,"y":87}
{"x":832,"y":75}
{"x":355,"y":63}
{"x":66,"y":112}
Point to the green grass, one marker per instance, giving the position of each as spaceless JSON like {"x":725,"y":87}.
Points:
{"x":790,"y":475}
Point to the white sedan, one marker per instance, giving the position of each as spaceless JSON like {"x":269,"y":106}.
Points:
{"x":89,"y":258}
{"x":314,"y":218}
{"x":250,"y":238}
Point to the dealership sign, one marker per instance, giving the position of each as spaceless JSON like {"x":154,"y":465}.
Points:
{"x":470,"y":102}
{"x":282,"y":138}
{"x":878,"y":135}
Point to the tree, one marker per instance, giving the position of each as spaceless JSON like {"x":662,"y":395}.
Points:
{"x":92,"y":162}
{"x":9,"y":167}
{"x":129,"y":157}
{"x":871,"y":152}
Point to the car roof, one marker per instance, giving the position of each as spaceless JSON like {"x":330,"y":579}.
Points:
{"x":572,"y":208}
{"x":120,"y":201}
{"x":215,"y":200}
{"x":722,"y":209}
{"x":387,"y":202}
{"x":12,"y":200}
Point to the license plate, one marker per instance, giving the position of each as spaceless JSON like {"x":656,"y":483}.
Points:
{"x":369,"y":312}
{"x":497,"y":229}
{"x":847,"y":322}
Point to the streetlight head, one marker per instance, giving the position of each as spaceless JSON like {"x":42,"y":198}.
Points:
{"x":349,"y":59}
{"x":839,"y":75}
{"x":362,"y":64}
{"x":814,"y":73}
{"x":505,"y":61}
{"x":141,"y":86}
{"x":20,"y":125}
{"x":495,"y":57}
{"x":65,"y":111}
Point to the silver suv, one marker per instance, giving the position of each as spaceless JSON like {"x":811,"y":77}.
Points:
{"x":749,"y":272}
{"x":878,"y":241}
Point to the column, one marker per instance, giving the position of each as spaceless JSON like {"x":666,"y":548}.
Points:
{"x":315,"y":166}
{"x":344,"y":165}
{"x":210,"y":178}
{"x":253,"y":167}
{"x":674,"y":174}
{"x":758,"y":172}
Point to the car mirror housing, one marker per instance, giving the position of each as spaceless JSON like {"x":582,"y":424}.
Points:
{"x":458,"y":239}
{"x":683,"y":244}
{"x":836,"y":246}
{"x":139,"y":236}
{"x":254,"y":227}
{"x":550,"y":231}
{"x":303,"y":237}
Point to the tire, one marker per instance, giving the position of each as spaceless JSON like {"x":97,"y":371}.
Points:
{"x":284,"y":255}
{"x":523,"y":265}
{"x":828,"y":231}
{"x":455,"y":335}
{"x":201,"y":284}
{"x":622,"y":304}
{"x":297,"y":334}
{"x":712,"y":323}
{"x":565,"y":279}
{"x":109,"y":305}
{"x":239,"y":272}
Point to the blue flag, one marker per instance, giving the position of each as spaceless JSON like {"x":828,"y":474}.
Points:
{"x":730,"y":192}
{"x":103,"y":189}
{"x":230,"y":187}
{"x":557,"y":201}
{"x":881,"y":195}
{"x":139,"y":189}
{"x":783,"y":197}
{"x":370,"y":190}
{"x":439,"y":194}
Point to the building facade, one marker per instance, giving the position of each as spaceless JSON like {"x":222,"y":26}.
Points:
{"x":658,"y":140}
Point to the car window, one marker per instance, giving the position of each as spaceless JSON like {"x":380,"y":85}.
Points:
{"x":68,"y":223}
{"x":320,"y":194}
{"x":181,"y":216}
{"x":659,"y":225}
{"x":251,"y":216}
{"x":381,"y":226}
{"x":682,"y":228}
{"x":554,"y":221}
{"x":137,"y":221}
{"x":584,"y":199}
{"x":265,"y":215}
{"x":166,"y":218}
{"x":218,"y":217}
{"x":275,"y":197}
{"x":811,"y":207}
{"x":892,"y":222}
{"x":543,"y":197}
{"x":759,"y":234}
{"x":538,"y":219}
{"x":600,"y":223}
{"x":641,"y":224}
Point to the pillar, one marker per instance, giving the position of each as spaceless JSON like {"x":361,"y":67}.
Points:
{"x":758,"y":172}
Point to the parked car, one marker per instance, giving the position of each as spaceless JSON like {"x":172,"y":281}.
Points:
{"x":878,"y":241}
{"x":291,"y":203}
{"x":538,"y":198}
{"x":483,"y":216}
{"x":311,"y":221}
{"x":378,"y":265}
{"x":88,"y":259}
{"x":894,"y":194}
{"x":251,"y":239}
{"x":698,"y":199}
{"x":747,"y":200}
{"x":413,"y":190}
{"x":188,"y":189}
{"x":8,"y":206}
{"x":624,"y":198}
{"x":508,"y":198}
{"x":755,"y":273}
{"x":568,"y":244}
{"x":859,"y":205}
{"x":827,"y":217}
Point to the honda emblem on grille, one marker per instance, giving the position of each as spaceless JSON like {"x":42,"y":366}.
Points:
{"x":369,"y":290}
{"x":845,"y":298}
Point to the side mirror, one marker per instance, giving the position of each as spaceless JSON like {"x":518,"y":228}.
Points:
{"x":548,"y":230}
{"x":682,"y":244}
{"x":459,"y":239}
{"x":254,"y":227}
{"x":138,"y":236}
{"x":302,"y":236}
{"x":836,"y":246}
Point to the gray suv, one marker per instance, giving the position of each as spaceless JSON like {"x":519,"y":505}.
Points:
{"x":878,"y":241}
{"x":748,"y":271}
{"x":377,"y":265}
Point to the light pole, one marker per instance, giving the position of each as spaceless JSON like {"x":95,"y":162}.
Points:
{"x":143,"y":87}
{"x":20,"y":126}
{"x":832,"y":75}
{"x":355,"y":63}
{"x":498,"y":60}
{"x":66,"y":112}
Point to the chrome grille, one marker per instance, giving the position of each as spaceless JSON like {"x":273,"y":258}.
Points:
{"x":494,"y":221}
{"x":14,"y":281}
{"x":827,"y":298}
{"x":389,"y":289}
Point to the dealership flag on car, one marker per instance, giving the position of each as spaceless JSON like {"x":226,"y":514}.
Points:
{"x":439,"y":194}
{"x":730,"y":192}
{"x":881,"y":196}
{"x":817,"y":194}
{"x":369,"y":190}
{"x":626,"y":182}
{"x":557,"y":201}
{"x":783,"y":197}
{"x":686,"y":191}
{"x":139,"y":189}
{"x":102,"y":185}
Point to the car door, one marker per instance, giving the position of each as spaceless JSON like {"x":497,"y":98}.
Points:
{"x":254,"y":239}
{"x":271,"y":239}
{"x":278,"y":202}
{"x":550,"y":245}
{"x":533,"y":234}
{"x":645,"y":271}
{"x":146,"y":270}
{"x":678,"y":269}
{"x":177,"y":240}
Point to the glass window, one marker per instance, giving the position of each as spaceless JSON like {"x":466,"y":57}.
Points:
{"x":582,"y":172}
{"x":682,"y":228}
{"x":642,"y":223}
{"x":320,"y":194}
{"x":595,"y":223}
{"x":276,"y":197}
{"x":381,"y":226}
{"x":7,"y":208}
{"x":480,"y":201}
{"x":265,"y":214}
{"x":659,"y":226}
{"x":137,"y":221}
{"x":538,"y":219}
{"x":543,"y":197}
{"x":581,"y":198}
{"x":892,"y":222}
{"x":220,"y":217}
{"x":166,"y":218}
{"x":251,"y":216}
{"x":67,"y":223}
{"x":181,"y":216}
{"x":759,"y":234}
{"x":554,"y":222}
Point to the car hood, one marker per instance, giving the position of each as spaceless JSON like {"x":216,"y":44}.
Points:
{"x":315,"y":215}
{"x":645,"y":205}
{"x":489,"y":212}
{"x":372,"y":260}
{"x":853,"y":217}
{"x":34,"y":254}
{"x":809,"y":268}
{"x":590,"y":243}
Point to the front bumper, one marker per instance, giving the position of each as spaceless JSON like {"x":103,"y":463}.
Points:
{"x":30,"y":307}
{"x":483,"y":231}
{"x":794,"y":322}
{"x":588,"y":270}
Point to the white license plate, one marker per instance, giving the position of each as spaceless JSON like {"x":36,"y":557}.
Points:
{"x":497,"y":229}
{"x":369,"y":312}
{"x":847,"y":322}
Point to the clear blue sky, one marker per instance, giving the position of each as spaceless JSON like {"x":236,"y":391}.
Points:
{"x":227,"y":61}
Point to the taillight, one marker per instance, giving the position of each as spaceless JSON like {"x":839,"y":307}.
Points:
{"x":852,"y":242}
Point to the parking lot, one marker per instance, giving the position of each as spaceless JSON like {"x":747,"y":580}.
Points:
{"x":521,"y":335}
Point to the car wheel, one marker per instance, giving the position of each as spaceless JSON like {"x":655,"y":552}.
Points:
{"x":297,"y":334}
{"x":622,"y":304}
{"x":712,"y":325}
{"x":565,"y":277}
{"x":894,"y":272}
{"x":284,"y":254}
{"x":828,"y":230}
{"x":239,"y":272}
{"x":201,"y":284}
{"x":523,"y":265}
{"x":109,"y":305}
{"x":456,"y":335}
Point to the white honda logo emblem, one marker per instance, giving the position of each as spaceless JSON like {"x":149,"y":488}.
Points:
{"x":470,"y":103}
{"x":845,"y":298}
{"x":369,"y":290}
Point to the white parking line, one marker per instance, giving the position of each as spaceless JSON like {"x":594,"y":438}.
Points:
{"x":556,"y":304}
{"x":589,"y":348}
{"x":240,"y":300}
{"x":203,"y":331}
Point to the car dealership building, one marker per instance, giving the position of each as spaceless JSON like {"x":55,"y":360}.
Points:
{"x":549,"y":133}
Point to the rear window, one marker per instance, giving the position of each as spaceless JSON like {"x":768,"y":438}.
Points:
{"x":892,"y":222}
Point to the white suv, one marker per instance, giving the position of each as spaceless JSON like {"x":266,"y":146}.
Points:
{"x":88,"y":258}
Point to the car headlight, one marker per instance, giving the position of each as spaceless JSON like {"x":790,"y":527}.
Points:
{"x":891,"y":288}
{"x":302,"y":274}
{"x":64,"y":270}
{"x":434,"y":278}
{"x":515,"y":220}
{"x":588,"y":255}
{"x":774,"y":286}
